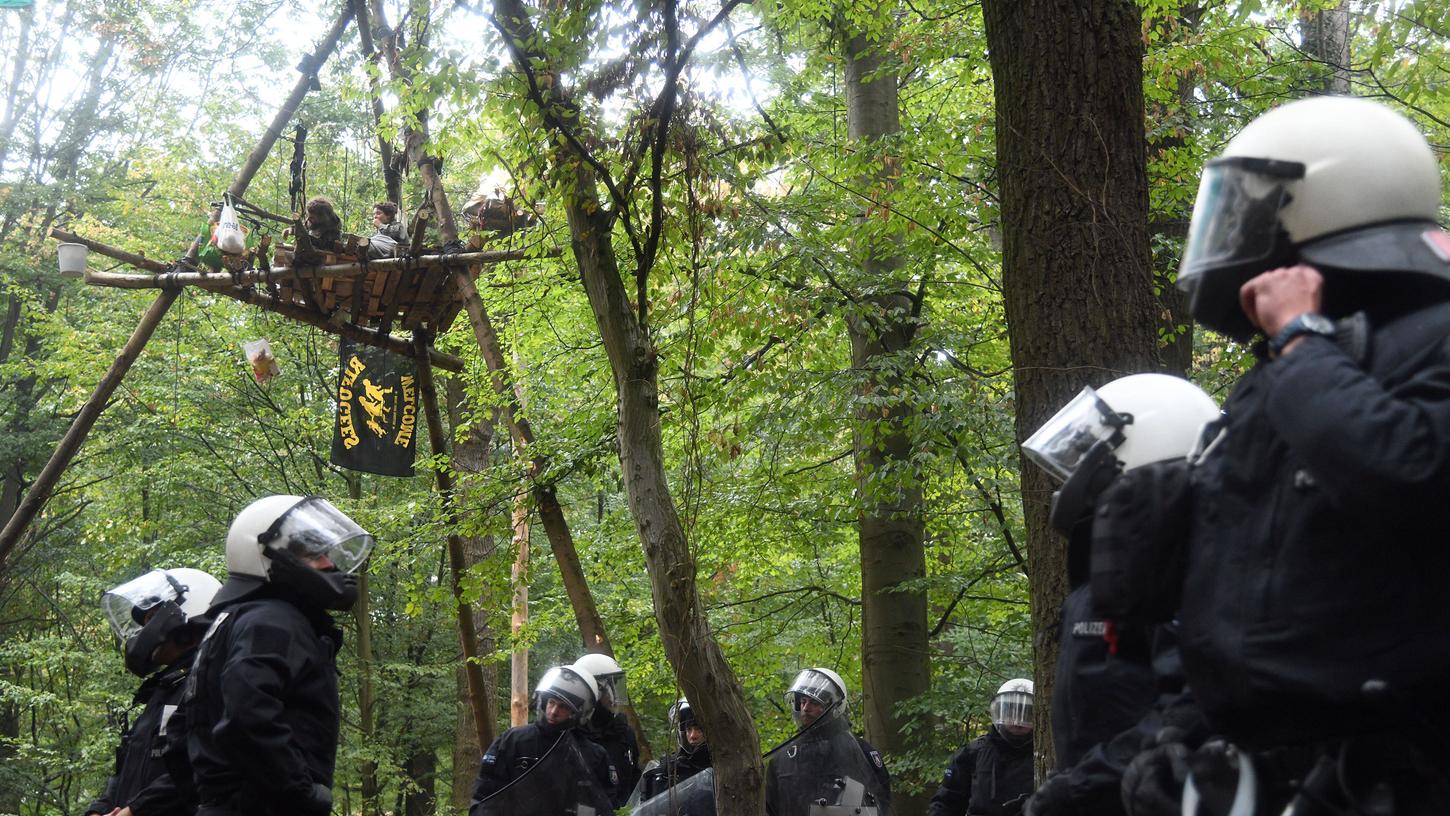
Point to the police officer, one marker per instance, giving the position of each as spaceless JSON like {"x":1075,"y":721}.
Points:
{"x":805,"y":770}
{"x":992,"y":774}
{"x":262,"y":702}
{"x":151,"y":616}
{"x":607,"y":726}
{"x":692,"y":757}
{"x":1315,"y":612}
{"x":1134,"y":427}
{"x":547,"y":766}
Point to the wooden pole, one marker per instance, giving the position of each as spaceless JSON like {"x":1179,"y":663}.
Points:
{"x":284,"y":114}
{"x":80,"y":428}
{"x":483,"y":718}
{"x":224,"y":280}
{"x":45,"y":482}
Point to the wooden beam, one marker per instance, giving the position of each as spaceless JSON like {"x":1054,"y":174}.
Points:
{"x":80,"y":428}
{"x":168,"y":280}
{"x":371,"y":337}
{"x":165,"y":278}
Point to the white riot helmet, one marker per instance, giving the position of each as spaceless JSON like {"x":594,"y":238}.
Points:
{"x":610,"y":677}
{"x":821,"y":685}
{"x":1130,"y":422}
{"x":1011,"y":708}
{"x":279,"y":539}
{"x":573,"y":687}
{"x":1341,"y":183}
{"x":145,"y":611}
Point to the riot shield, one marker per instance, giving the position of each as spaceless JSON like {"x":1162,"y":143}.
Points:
{"x":644,"y":778}
{"x":822,"y":771}
{"x":561,"y":783}
{"x":694,"y":796}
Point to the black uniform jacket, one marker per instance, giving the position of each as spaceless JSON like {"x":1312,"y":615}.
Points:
{"x":1319,"y":558}
{"x":1104,"y":678}
{"x":673,"y":770}
{"x":263,"y":721}
{"x":518,"y":749}
{"x":610,"y":730}
{"x":989,"y":777}
{"x":141,"y":781}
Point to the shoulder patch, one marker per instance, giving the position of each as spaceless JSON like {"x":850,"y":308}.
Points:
{"x":270,"y":639}
{"x":876,"y":758}
{"x":489,"y":758}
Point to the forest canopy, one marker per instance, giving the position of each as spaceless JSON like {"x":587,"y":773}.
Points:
{"x":816,"y":302}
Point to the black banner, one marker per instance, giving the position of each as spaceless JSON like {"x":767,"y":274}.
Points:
{"x":377,"y":411}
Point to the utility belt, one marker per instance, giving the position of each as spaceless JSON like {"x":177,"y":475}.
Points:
{"x":1382,"y":774}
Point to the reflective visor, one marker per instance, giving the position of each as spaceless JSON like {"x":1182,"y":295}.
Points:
{"x":1061,"y":443}
{"x":565,"y":685}
{"x":314,"y":528}
{"x":815,"y":685}
{"x":1012,"y":708}
{"x":1236,"y":217}
{"x":126,"y":605}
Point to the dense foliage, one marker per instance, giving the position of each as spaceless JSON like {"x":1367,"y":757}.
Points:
{"x":122,"y":120}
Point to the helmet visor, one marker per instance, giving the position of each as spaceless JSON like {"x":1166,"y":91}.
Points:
{"x":1236,"y":217}
{"x":313,"y":529}
{"x":612,"y":687}
{"x":1061,"y":443}
{"x":1012,"y":708}
{"x":815,"y":685}
{"x":565,"y":685}
{"x":126,"y":606}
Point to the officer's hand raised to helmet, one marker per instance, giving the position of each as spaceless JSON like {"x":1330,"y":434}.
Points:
{"x":1273,"y":298}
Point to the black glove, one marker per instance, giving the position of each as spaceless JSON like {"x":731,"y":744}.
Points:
{"x":1153,"y":783}
{"x":1054,"y":798}
{"x":318,"y":801}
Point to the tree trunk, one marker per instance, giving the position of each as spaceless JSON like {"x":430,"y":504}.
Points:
{"x":366,"y":693}
{"x":470,"y":458}
{"x":1173,"y":124}
{"x":422,"y":771}
{"x":699,"y":664}
{"x":519,"y":660}
{"x":1326,"y":41}
{"x":895,"y":663}
{"x":1076,"y":269}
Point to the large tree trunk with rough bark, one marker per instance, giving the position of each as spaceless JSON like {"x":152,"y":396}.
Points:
{"x":1326,"y":41}
{"x":895,"y":663}
{"x":704,"y":675}
{"x":1076,"y":268}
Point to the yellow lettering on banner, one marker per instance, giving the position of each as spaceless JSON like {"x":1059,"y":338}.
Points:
{"x":355,"y":367}
{"x":409,"y":413}
{"x":344,"y":419}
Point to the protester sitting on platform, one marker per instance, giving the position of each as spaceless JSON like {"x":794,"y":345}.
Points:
{"x":323,"y":225}
{"x":387,"y":239}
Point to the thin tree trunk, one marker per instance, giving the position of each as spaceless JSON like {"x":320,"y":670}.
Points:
{"x":1076,"y":267}
{"x":519,"y":660}
{"x":366,"y":693}
{"x":470,"y":459}
{"x":392,"y":178}
{"x":895,"y":663}
{"x":699,"y":664}
{"x":478,"y":693}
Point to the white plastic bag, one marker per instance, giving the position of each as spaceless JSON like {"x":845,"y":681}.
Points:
{"x":259,"y":354}
{"x":229,"y":237}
